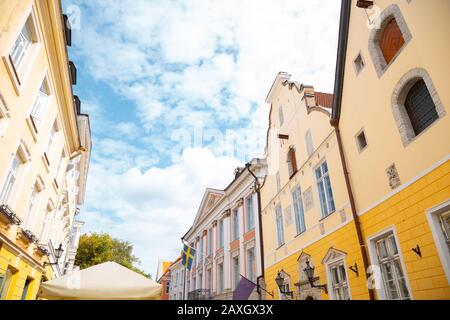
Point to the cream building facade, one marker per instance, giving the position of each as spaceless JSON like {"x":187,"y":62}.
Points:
{"x":45,"y":146}
{"x":305,"y":205}
{"x":226,"y":235}
{"x":176,"y":290}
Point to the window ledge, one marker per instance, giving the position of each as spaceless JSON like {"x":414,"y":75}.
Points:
{"x":323,"y":218}
{"x":280,"y":246}
{"x":32,"y":128}
{"x":300,"y":233}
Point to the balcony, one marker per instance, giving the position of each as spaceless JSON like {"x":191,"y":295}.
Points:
{"x":200,"y":294}
{"x":8,"y":216}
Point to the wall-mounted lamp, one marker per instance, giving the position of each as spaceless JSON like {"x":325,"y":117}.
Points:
{"x":281,"y":282}
{"x":58,"y":253}
{"x":310,"y":274}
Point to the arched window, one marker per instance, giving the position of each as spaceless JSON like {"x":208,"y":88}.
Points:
{"x":292,"y":161}
{"x":420,"y":107}
{"x":391,"y":40}
{"x":415,"y":104}
{"x":388,"y":38}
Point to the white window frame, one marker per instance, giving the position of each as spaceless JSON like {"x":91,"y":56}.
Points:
{"x":322,"y":179}
{"x":18,"y":71}
{"x":433,"y":215}
{"x":249,"y":214}
{"x":251,"y":265}
{"x":279,"y":227}
{"x":221,"y":229}
{"x":309,"y":143}
{"x":235,"y":223}
{"x":40,"y":104}
{"x":235,"y":274}
{"x":335,"y":257}
{"x":281,"y":116}
{"x":374,"y":259}
{"x":220,"y":278}
{"x":297,"y":214}
{"x":210,"y":241}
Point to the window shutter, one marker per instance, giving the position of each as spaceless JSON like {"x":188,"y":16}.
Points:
{"x":420,"y":107}
{"x":391,"y":40}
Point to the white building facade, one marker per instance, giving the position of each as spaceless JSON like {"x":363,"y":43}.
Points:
{"x":176,"y":291}
{"x":226,"y":236}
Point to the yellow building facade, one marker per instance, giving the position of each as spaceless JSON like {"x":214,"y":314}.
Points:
{"x":391,"y":107}
{"x":44,"y":146}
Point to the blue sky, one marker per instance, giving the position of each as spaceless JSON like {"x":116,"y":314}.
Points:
{"x":175,"y":91}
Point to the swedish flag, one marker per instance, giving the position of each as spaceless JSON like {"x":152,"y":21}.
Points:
{"x":187,"y":256}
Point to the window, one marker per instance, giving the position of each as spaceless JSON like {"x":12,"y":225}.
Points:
{"x":38,"y":112}
{"x":391,"y":40}
{"x":23,"y":42}
{"x":339,"y":282}
{"x":52,"y":139}
{"x":28,"y":219}
{"x":415,"y":104}
{"x":298,"y":209}
{"x":235,"y":272}
{"x":388,"y":38}
{"x":11,"y":178}
{"x":200,"y":279}
{"x":439,"y":221}
{"x":361,"y":140}
{"x":281,"y":116}
{"x":194,"y":283}
{"x":46,"y":226}
{"x":279,"y":225}
{"x":210,"y":241}
{"x":251,"y":272}
{"x":292,"y":162}
{"x":219,"y":278}
{"x":277,"y":177}
{"x":202,"y":248}
{"x":167,"y":287}
{"x":325,"y":192}
{"x":5,"y":283}
{"x":391,"y":268}
{"x":235,"y":224}
{"x":250,"y":215}
{"x":208,"y":280}
{"x":358,"y":63}
{"x":420,"y":107}
{"x":309,"y":143}
{"x":221,"y":234}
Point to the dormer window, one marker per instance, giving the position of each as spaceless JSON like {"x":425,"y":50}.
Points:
{"x":292,"y":162}
{"x":281,"y":116}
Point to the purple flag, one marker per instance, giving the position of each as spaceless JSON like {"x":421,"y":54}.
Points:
{"x":244,"y":289}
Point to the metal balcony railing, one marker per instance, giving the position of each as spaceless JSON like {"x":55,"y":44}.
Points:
{"x":199,"y":294}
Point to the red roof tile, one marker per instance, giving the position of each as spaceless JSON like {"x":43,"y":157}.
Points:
{"x":324,"y":99}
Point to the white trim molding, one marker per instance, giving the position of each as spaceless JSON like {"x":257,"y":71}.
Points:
{"x":432,"y":215}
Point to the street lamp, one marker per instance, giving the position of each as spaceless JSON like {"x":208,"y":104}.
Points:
{"x":310,"y":274}
{"x":281,"y":285}
{"x":58,"y":253}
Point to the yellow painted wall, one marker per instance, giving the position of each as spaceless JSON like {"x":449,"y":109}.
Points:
{"x":344,"y":240}
{"x":48,"y":57}
{"x":366,"y":101}
{"x":406,"y":210}
{"x":23,"y":270}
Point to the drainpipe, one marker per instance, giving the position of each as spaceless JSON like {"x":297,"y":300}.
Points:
{"x":261,"y":243}
{"x":356,"y":221}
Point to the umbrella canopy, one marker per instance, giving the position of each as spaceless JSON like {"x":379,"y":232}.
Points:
{"x":105,"y":281}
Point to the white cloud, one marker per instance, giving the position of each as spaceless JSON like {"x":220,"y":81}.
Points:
{"x":186,"y":65}
{"x":153,"y":208}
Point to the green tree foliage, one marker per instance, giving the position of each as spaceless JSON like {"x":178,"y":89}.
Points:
{"x":101,"y":247}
